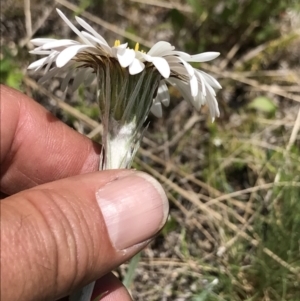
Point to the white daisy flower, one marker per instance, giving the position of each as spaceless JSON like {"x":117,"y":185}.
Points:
{"x":130,"y":83}
{"x":81,"y":60}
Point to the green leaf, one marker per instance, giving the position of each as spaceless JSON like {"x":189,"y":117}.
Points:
{"x":196,"y":6}
{"x":170,"y":226}
{"x":177,"y":19}
{"x":263,"y":104}
{"x":131,"y":270}
{"x":10,"y":74}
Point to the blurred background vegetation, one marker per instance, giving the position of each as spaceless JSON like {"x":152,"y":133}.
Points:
{"x":234,"y":226}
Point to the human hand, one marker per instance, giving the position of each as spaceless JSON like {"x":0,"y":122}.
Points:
{"x":63,"y":224}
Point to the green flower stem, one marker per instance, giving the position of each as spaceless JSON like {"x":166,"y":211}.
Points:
{"x":125,"y":101}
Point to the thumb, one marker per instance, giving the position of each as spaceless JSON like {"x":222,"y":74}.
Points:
{"x":64,"y":234}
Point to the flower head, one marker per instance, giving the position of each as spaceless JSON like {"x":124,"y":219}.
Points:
{"x":81,"y":60}
{"x":130,"y":83}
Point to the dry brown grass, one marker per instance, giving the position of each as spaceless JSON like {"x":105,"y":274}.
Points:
{"x":233,"y":185}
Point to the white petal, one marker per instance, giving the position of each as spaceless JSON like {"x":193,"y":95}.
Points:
{"x":123,"y":46}
{"x":188,"y":67}
{"x":179,"y":69}
{"x":140,"y":56}
{"x":212,"y":102}
{"x":89,"y":77}
{"x":182,"y":54}
{"x":40,"y":52}
{"x":211,"y":80}
{"x":178,"y":61}
{"x":213,"y":106}
{"x":41,"y":41}
{"x":173,"y":59}
{"x":79,"y":78}
{"x":59,"y":43}
{"x":200,"y":100}
{"x":147,"y":57}
{"x":156,"y":109}
{"x":159,"y":47}
{"x":50,"y":60}
{"x":136,"y":67}
{"x":93,"y":40}
{"x":162,"y":66}
{"x":165,"y":52}
{"x":184,"y":90}
{"x":125,"y":56}
{"x":203,"y":57}
{"x":91,"y":30}
{"x":210,"y":89}
{"x":194,"y":86}
{"x":66,"y":80}
{"x":37,"y":63}
{"x":68,"y":22}
{"x":114,"y":52}
{"x":49,"y":75}
{"x":67,"y":54}
{"x":202,"y":81}
{"x":116,"y":49}
{"x":163,"y":94}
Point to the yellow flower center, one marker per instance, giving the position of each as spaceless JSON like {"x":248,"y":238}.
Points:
{"x":136,"y":48}
{"x":117,"y":43}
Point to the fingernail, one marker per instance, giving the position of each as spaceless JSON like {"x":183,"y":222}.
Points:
{"x":134,"y":209}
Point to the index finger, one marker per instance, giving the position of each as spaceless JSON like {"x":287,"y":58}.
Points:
{"x":36,"y":147}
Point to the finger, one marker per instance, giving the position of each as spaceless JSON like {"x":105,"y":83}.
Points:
{"x":61,"y":235}
{"x":110,"y":288}
{"x":36,"y":147}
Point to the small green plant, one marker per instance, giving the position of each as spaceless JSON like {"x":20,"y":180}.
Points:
{"x":10,"y":73}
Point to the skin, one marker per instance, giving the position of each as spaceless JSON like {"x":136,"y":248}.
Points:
{"x":53,"y":235}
